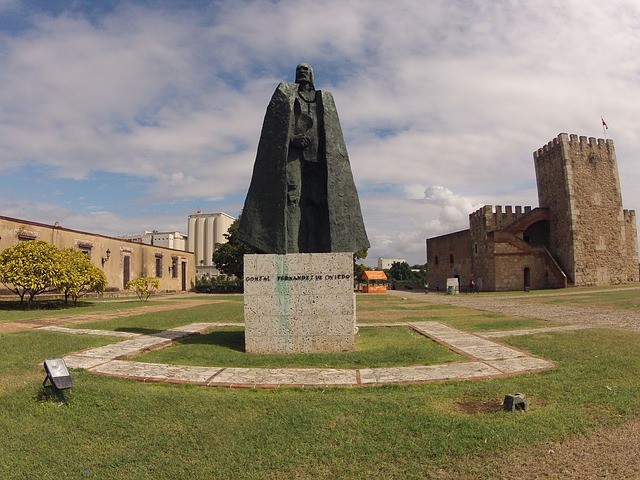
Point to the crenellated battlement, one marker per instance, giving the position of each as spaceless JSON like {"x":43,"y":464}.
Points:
{"x":579,"y":234}
{"x":574,"y":141}
{"x":549,"y":146}
{"x":489,"y":218}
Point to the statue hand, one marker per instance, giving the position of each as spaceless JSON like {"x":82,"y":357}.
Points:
{"x":300,"y":141}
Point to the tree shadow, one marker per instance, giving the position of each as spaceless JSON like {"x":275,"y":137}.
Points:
{"x":231,"y":339}
{"x":50,"y":304}
{"x":140,"y":330}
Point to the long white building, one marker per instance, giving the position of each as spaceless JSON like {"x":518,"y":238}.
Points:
{"x":385,"y":263}
{"x":174,"y":240}
{"x":203,"y":232}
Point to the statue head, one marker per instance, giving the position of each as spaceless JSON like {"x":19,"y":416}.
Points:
{"x":304,"y":73}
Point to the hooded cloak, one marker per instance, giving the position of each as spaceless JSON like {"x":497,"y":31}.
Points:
{"x":328,"y":217}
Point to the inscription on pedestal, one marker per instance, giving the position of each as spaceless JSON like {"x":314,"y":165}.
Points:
{"x":299,"y":303}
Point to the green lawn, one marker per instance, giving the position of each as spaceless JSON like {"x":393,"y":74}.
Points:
{"x":390,"y":308}
{"x":111,"y":428}
{"x":622,"y":297}
{"x":227,"y":310}
{"x":375,"y":347}
{"x":13,"y":311}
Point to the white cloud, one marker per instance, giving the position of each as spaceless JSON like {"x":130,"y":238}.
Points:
{"x":451,"y":94}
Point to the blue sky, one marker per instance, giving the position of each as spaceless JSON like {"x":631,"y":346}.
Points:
{"x":123,"y":116}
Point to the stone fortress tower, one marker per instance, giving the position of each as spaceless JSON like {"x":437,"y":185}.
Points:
{"x":579,"y":235}
{"x":590,"y":235}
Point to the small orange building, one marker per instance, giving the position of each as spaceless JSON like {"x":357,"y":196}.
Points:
{"x":375,"y":281}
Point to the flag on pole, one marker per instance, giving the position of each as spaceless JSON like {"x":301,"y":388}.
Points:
{"x":604,"y":124}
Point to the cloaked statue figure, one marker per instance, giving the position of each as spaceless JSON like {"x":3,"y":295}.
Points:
{"x":302,"y":198}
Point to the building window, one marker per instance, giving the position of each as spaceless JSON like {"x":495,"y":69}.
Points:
{"x":25,"y":235}
{"x":174,"y":267}
{"x":85,"y":247}
{"x":451,"y":259}
{"x":436,"y":260}
{"x":475,"y":248}
{"x":159,"y":266}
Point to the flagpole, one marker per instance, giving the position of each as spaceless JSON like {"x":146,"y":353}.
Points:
{"x":604,"y":128}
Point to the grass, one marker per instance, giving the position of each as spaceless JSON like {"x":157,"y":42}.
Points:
{"x":383,"y":309}
{"x":227,"y":309}
{"x":11,"y":310}
{"x":375,"y":347}
{"x":110,"y":428}
{"x":22,"y":355}
{"x":619,"y":298}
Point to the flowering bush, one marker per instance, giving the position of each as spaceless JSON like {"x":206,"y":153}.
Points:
{"x":143,"y":286}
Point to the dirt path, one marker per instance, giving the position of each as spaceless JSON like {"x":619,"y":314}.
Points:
{"x":512,"y":305}
{"x":611,"y":453}
{"x":96,"y":316}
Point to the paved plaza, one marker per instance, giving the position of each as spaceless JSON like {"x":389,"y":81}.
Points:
{"x":485,"y":359}
{"x":485,"y":356}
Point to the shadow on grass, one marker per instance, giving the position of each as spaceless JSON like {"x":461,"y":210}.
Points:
{"x":49,"y":394}
{"x":57,"y":304}
{"x":231,"y":339}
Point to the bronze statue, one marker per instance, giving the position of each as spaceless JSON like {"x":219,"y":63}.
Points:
{"x":302,"y":198}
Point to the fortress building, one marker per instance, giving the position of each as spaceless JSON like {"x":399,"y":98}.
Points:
{"x":579,"y":235}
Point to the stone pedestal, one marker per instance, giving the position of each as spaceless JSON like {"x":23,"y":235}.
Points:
{"x":299,"y":303}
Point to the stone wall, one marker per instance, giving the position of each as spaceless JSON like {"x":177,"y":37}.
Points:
{"x":175,"y":269}
{"x":555,"y":194}
{"x":578,"y":182}
{"x":631,"y":245}
{"x":448,"y":256}
{"x":512,"y":264}
{"x":580,"y":233}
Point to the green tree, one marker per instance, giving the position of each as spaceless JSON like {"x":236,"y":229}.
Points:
{"x":30,"y":268}
{"x":229,"y":257}
{"x":400,"y":271}
{"x":358,"y":268}
{"x":419,"y":274}
{"x":143,"y":286}
{"x":78,"y":275}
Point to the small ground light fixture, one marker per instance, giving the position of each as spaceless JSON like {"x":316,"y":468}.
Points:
{"x":516,"y":402}
{"x":57,"y":373}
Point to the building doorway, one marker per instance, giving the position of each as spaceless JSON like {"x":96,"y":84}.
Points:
{"x":527,"y":278}
{"x":126,"y":270}
{"x":184,"y":276}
